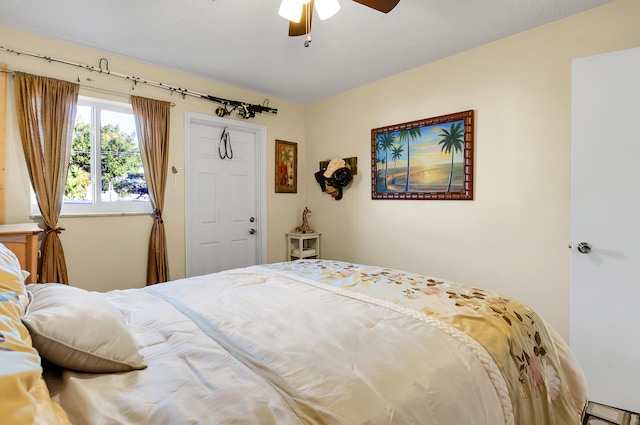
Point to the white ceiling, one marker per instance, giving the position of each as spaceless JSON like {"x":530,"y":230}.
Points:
{"x":244,"y":43}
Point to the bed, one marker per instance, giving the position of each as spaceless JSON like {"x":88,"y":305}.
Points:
{"x":302,"y":342}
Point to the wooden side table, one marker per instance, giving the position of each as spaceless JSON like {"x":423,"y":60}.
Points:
{"x":22,"y":239}
{"x":303,"y":245}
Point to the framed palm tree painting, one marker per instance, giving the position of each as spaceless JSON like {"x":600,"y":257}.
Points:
{"x":430,"y":158}
{"x":286,"y":167}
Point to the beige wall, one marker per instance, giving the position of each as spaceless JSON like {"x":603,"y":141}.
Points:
{"x":110,"y":252}
{"x":514,"y":236}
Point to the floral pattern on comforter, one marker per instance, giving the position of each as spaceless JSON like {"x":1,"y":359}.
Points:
{"x":514,"y":335}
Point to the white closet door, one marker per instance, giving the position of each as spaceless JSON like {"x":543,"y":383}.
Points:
{"x":605,"y":214}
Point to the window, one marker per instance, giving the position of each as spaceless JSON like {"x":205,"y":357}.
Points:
{"x":105,"y":169}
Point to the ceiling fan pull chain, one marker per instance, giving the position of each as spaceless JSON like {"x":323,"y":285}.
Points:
{"x":309,"y":7}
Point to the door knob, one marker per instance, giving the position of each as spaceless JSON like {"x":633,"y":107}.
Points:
{"x":252,"y":231}
{"x":584,"y":247}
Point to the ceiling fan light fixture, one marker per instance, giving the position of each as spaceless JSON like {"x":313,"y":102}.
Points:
{"x":291,"y":10}
{"x":327,"y":8}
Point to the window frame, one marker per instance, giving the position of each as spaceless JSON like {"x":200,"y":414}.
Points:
{"x":96,"y":206}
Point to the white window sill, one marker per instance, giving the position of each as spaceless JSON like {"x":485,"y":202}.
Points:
{"x":103,"y":214}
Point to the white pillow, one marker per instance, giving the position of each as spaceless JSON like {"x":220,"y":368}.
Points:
{"x":11,"y":274}
{"x":80,"y":330}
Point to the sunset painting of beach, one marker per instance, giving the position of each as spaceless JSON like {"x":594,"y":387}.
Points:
{"x":428,"y":159}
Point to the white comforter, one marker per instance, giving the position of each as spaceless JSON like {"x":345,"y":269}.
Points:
{"x":250,"y":346}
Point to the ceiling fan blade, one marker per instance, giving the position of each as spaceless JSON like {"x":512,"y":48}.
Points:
{"x":304,"y":26}
{"x":384,"y":6}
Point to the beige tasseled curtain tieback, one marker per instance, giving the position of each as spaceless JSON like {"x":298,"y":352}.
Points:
{"x":57,"y":230}
{"x":157,"y":215}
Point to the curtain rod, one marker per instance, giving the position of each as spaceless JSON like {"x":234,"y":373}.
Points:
{"x":113,"y":92}
{"x":84,"y":86}
{"x":245,"y":110}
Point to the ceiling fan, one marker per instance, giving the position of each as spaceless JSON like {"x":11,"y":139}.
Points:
{"x":299,"y":13}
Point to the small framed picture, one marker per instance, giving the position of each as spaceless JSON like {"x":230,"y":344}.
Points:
{"x":286,"y":167}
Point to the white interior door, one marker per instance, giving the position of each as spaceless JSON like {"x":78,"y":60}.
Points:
{"x":605,"y":211}
{"x":225,"y":194}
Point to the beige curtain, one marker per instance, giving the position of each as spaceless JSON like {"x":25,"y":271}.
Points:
{"x":152,"y":124}
{"x":46,"y":110}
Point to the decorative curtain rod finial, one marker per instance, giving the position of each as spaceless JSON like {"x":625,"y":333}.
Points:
{"x":106,"y":67}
